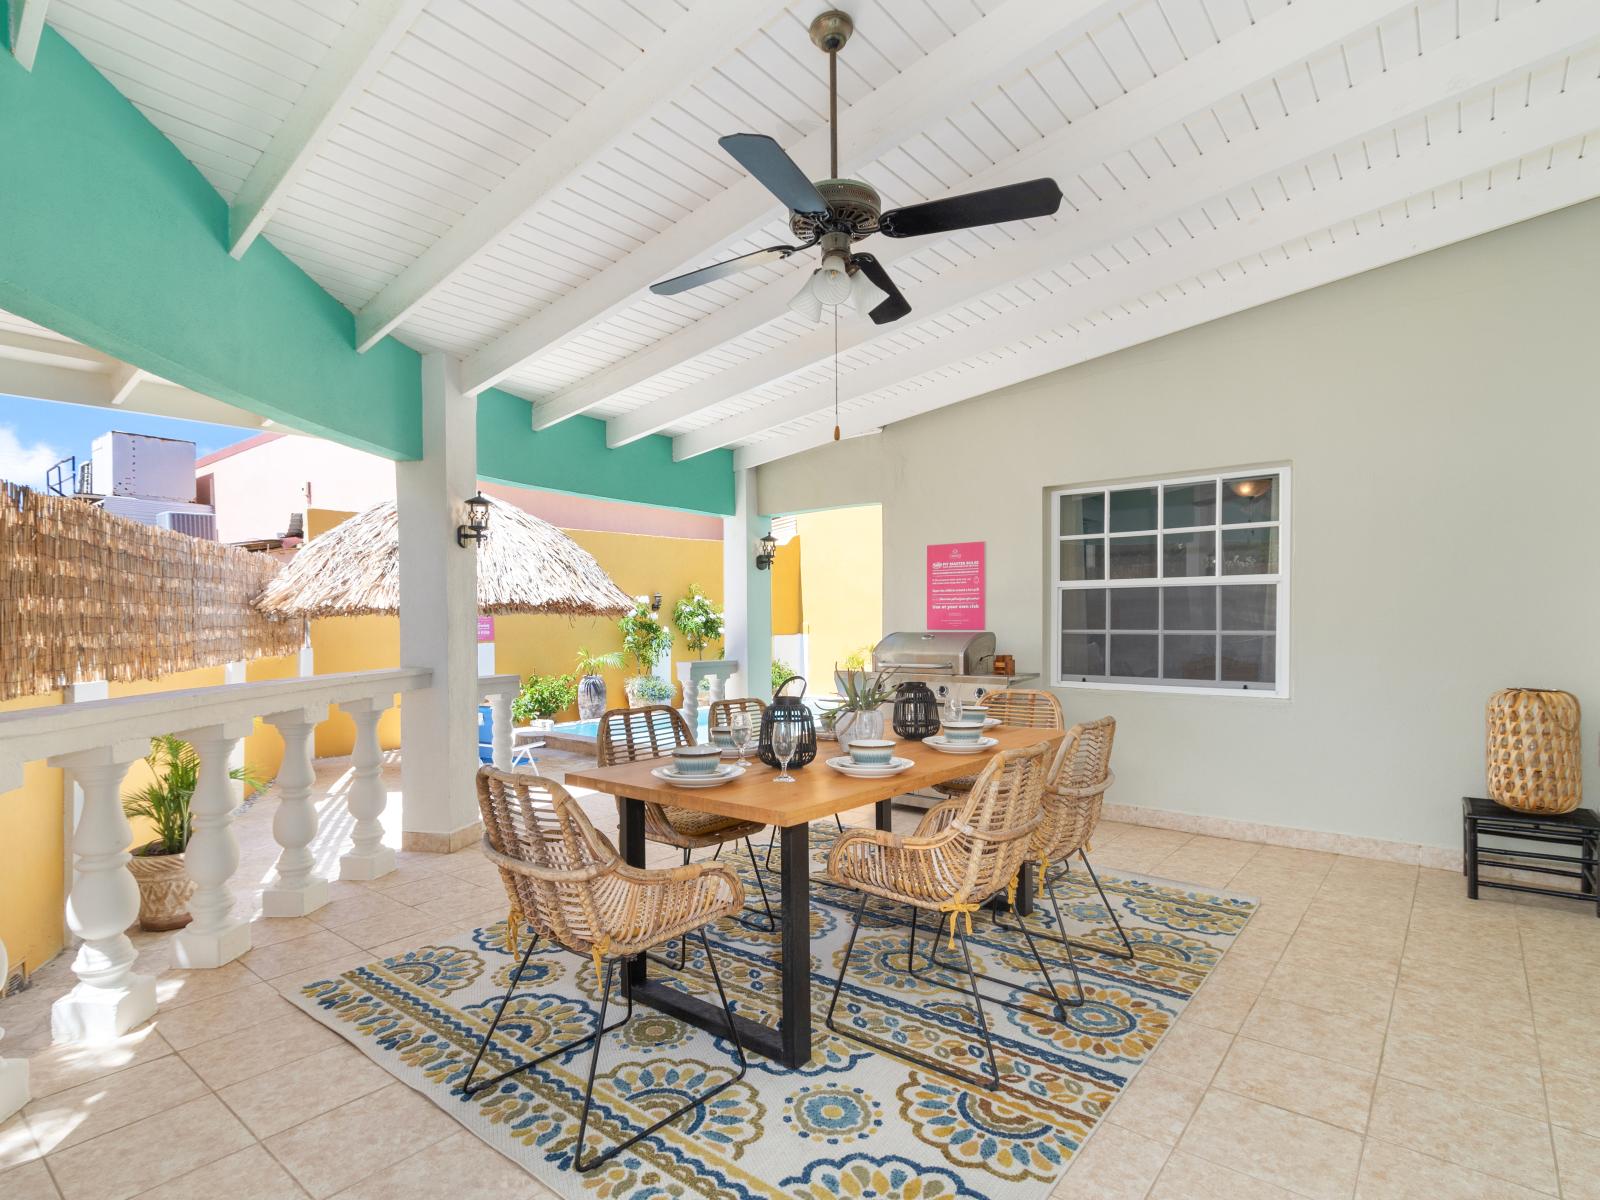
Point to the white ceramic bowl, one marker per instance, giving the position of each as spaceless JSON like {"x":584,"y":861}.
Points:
{"x":968,"y":729}
{"x":721,"y":736}
{"x":871,"y":752}
{"x":697,"y":760}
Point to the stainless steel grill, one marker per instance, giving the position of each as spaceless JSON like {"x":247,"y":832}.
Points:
{"x":945,"y":653}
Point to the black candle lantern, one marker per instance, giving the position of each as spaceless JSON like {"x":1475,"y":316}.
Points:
{"x":916,"y":712}
{"x":789,"y":708}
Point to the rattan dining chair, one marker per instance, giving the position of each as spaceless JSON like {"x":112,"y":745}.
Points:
{"x":567,"y":884}
{"x":970,"y":860}
{"x":654,"y":731}
{"x":1021,"y":708}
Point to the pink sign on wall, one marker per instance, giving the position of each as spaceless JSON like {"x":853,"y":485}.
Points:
{"x":485,"y":629}
{"x":955,"y":586}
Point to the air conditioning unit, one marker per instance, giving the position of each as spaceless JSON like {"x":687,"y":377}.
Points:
{"x":196,"y":524}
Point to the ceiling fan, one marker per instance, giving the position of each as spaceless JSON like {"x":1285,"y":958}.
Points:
{"x":834,"y":213}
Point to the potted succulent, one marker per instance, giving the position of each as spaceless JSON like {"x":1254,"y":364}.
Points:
{"x":591,"y":684}
{"x":697,"y":619}
{"x":542,"y":697}
{"x":164,"y":886}
{"x":859,"y":711}
{"x":644,"y":640}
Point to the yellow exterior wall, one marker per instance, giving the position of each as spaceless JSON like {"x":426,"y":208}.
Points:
{"x":31,"y":892}
{"x":841,"y":583}
{"x":788,"y":605}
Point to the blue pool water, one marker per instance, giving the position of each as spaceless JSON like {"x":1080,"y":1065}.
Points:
{"x":591,"y":729}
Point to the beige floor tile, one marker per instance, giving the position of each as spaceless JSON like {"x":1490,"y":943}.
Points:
{"x":463,"y":907}
{"x":1115,"y":1164}
{"x":220,"y":1015}
{"x":386,"y":927}
{"x":1578,"y":1158}
{"x":248,"y":1174}
{"x":337,"y":1149}
{"x":137,"y":1157}
{"x":269,"y":931}
{"x":177,"y":988}
{"x":350,"y":909}
{"x":31,"y":1181}
{"x":1446,"y":1065}
{"x":1338,"y":994}
{"x":1459,"y":1014}
{"x":1353,"y":1041}
{"x":61,"y":1067}
{"x":257,"y":1049}
{"x":1191,"y":1051}
{"x":271,"y":1102}
{"x":1340,"y":956}
{"x":1390,"y":1172}
{"x":16,"y":1143}
{"x":1222,"y":1006}
{"x":1574,"y":1100}
{"x":101,"y":1105}
{"x":280,"y":958}
{"x":461,"y":1159}
{"x":1312,"y":1087}
{"x":1454,"y":1127}
{"x":1302,"y":1155}
{"x":437,"y":886}
{"x":1156,"y":1104}
{"x":1186,"y":1177}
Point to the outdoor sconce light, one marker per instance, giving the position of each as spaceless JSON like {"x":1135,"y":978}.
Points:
{"x":655,"y":602}
{"x":477,"y":527}
{"x":767,"y":552}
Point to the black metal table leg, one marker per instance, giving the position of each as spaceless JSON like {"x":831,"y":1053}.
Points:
{"x":884,"y":811}
{"x":630,"y":833}
{"x":795,"y":1021}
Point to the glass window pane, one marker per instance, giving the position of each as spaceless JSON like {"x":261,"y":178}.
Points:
{"x":1135,"y":608}
{"x":1190,"y":504}
{"x":1133,"y":557}
{"x":1083,"y":514}
{"x":1083,"y":608}
{"x":1253,"y":499}
{"x":1083,"y":560}
{"x":1251,"y":607}
{"x":1134,"y":654}
{"x":1133,"y":509}
{"x":1249,"y":658}
{"x":1190,"y":607}
{"x":1083,"y":654}
{"x":1187,"y":555}
{"x":1189,"y":656}
{"x":1250,"y":551}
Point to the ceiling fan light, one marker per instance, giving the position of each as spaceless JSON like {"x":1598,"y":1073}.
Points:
{"x":864,"y":294}
{"x":805,"y":301}
{"x":831,"y":283}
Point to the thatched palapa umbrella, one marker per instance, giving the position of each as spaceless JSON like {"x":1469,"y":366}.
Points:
{"x":524,"y":566}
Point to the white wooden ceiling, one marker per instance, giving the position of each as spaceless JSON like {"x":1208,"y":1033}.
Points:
{"x":502,"y":179}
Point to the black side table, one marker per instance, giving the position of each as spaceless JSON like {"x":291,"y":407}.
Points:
{"x":1579,"y":829}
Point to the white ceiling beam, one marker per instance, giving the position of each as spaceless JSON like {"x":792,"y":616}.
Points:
{"x":357,"y":54}
{"x":989,"y":51}
{"x":27,"y":27}
{"x":1264,"y":49}
{"x":17,"y":346}
{"x":1572,"y":182}
{"x":1443,"y":161}
{"x":124,"y":378}
{"x":698,"y":39}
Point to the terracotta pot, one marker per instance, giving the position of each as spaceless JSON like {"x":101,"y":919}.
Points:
{"x":164,"y":891}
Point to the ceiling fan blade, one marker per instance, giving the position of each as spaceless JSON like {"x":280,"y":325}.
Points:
{"x":896,"y":306}
{"x":1014,"y":202}
{"x":775,"y":171}
{"x":721,"y":270}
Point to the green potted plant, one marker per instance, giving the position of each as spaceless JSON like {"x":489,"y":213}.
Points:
{"x":858,"y":713}
{"x":591,"y":684}
{"x":644,"y":640}
{"x":157,"y":866}
{"x":542,"y":697}
{"x":697,"y":619}
{"x":782,"y":672}
{"x":650,"y":689}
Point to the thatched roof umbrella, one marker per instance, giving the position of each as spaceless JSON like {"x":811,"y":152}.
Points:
{"x":524,"y":566}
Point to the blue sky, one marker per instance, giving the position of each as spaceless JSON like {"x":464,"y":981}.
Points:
{"x":36,"y":433}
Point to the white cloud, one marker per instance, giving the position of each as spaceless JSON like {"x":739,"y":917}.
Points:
{"x":25,"y":464}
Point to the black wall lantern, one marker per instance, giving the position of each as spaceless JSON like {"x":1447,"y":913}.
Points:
{"x":789,"y":708}
{"x":768,"y":550}
{"x":476,"y":530}
{"x":916,"y":712}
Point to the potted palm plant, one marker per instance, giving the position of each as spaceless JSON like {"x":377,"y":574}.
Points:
{"x":157,"y":866}
{"x":591,"y":684}
{"x":644,"y":640}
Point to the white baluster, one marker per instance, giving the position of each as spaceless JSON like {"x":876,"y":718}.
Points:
{"x":109,"y":998}
{"x":368,"y":857}
{"x":295,"y":891}
{"x":215,"y":936}
{"x":13,"y":1071}
{"x":500,"y":709}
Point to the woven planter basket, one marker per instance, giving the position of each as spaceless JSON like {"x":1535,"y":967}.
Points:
{"x":1534,"y":750}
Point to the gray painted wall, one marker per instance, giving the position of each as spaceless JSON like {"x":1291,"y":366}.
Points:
{"x":1442,"y":418}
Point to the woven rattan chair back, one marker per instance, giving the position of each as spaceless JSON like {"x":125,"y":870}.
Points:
{"x":722,"y":711}
{"x":629,"y":734}
{"x":1025,"y":709}
{"x":1076,"y":789}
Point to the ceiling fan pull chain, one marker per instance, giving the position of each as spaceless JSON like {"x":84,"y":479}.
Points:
{"x":835,"y":372}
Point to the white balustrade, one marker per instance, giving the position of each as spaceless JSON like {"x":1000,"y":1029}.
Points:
{"x":715,"y":672}
{"x":13,"y":1071}
{"x":109,"y":998}
{"x":368,"y":857}
{"x":499,"y":691}
{"x":216,"y":935}
{"x":294,"y":890}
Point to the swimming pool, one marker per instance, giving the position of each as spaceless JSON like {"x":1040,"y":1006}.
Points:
{"x":591,"y":729}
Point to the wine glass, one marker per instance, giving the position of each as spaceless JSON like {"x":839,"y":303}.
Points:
{"x":784,"y":739}
{"x":739,"y":729}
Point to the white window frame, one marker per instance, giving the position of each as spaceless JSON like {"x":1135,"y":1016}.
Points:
{"x":1280,"y":687}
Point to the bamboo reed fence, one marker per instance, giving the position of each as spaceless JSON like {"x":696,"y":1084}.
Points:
{"x":88,"y":595}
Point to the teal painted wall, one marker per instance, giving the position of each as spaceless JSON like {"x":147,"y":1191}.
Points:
{"x":108,"y":234}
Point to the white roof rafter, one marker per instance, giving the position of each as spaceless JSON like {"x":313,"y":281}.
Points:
{"x":27,"y":27}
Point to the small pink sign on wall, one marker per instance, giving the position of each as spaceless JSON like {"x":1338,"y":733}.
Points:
{"x":485,"y":629}
{"x":955,"y":585}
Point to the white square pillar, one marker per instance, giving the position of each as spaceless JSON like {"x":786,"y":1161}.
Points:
{"x":746,"y":592}
{"x":438,"y":618}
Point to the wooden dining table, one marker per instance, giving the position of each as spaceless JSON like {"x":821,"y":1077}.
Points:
{"x":818,"y":792}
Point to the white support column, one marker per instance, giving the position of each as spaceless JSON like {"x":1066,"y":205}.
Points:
{"x":747,"y":592}
{"x":215,"y":936}
{"x":295,"y":891}
{"x":368,"y":857}
{"x":13,"y":1071}
{"x":500,"y":709}
{"x":438,"y":618}
{"x":109,"y":998}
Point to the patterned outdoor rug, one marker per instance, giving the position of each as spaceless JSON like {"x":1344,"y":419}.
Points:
{"x":855,"y":1123}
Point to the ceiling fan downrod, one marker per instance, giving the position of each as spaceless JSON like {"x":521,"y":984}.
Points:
{"x":829,"y":33}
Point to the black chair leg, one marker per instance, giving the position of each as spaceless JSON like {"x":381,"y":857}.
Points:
{"x":1127,"y":946}
{"x":594,"y":1061}
{"x":1126,"y":953}
{"x":766,"y":901}
{"x":1053,"y":996}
